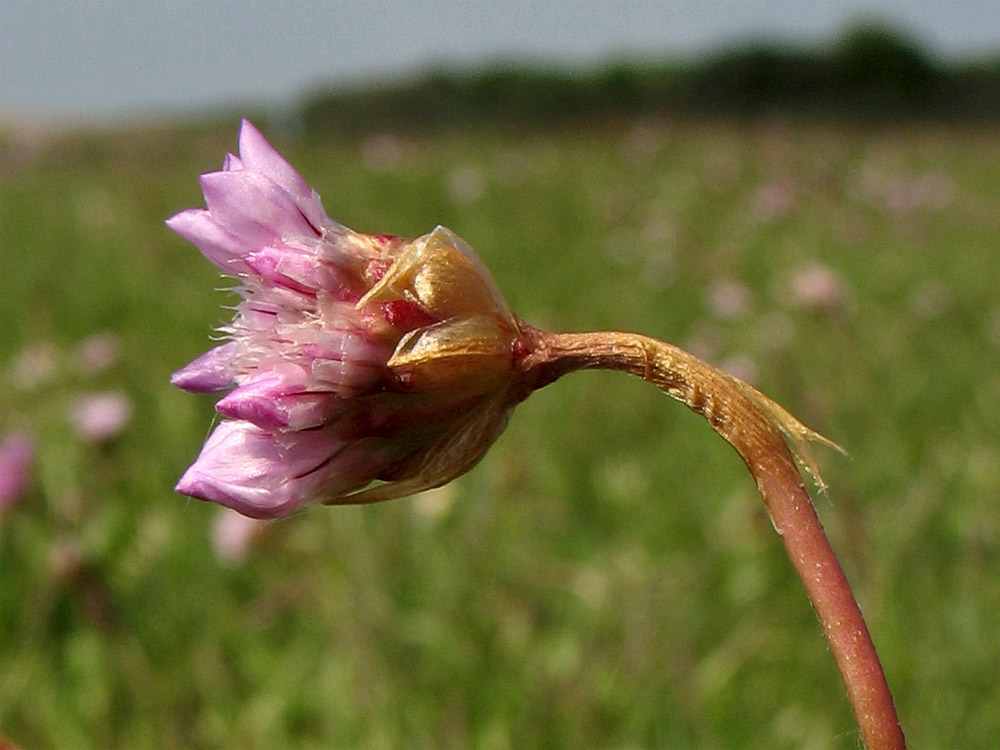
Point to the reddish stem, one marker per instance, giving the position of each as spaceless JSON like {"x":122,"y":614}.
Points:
{"x":750,"y":423}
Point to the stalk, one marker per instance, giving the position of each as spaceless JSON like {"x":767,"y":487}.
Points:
{"x":758,"y":429}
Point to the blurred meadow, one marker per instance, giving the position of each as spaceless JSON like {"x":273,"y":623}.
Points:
{"x":607,"y":576}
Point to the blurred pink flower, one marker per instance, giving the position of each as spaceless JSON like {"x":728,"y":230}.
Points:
{"x":729,"y":299}
{"x":906,"y":193}
{"x":99,"y":417}
{"x":773,"y":201}
{"x":234,"y":534}
{"x":34,"y":366}
{"x":97,"y":353}
{"x":817,"y":287}
{"x":17,"y":454}
{"x":352,"y":358}
{"x":740,"y":366}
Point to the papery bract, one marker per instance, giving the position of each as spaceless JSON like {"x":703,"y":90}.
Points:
{"x":358,"y":367}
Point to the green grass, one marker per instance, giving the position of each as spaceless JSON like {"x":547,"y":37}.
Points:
{"x":607,"y":576}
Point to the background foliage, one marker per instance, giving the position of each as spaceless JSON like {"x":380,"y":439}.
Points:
{"x":607,"y":576}
{"x":869,"y":74}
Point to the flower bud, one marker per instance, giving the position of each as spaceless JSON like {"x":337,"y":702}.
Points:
{"x":359,"y":367}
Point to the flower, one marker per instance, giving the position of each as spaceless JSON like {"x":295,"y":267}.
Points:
{"x":234,"y":535}
{"x":819,"y":288}
{"x":99,"y":417}
{"x":97,"y":353}
{"x":729,"y":299}
{"x":35,"y":366}
{"x":358,"y":367}
{"x":17,"y":453}
{"x":367,"y":367}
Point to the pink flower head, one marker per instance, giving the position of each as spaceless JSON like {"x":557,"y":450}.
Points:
{"x":100,"y":417}
{"x":234,"y":535}
{"x":17,"y":453}
{"x":818,"y":287}
{"x":352,"y":359}
{"x":97,"y":353}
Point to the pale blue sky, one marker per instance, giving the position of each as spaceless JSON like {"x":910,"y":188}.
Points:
{"x":101,"y":59}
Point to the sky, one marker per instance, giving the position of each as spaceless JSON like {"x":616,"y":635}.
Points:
{"x":106,"y":60}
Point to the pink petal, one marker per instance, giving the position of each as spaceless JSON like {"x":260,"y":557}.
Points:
{"x":347,"y":345}
{"x":259,"y":155}
{"x":220,"y":246}
{"x":212,"y":371}
{"x":348,"y":378}
{"x":345,"y":361}
{"x":279,"y":400}
{"x":298,"y":271}
{"x":259,"y":474}
{"x":253,"y":208}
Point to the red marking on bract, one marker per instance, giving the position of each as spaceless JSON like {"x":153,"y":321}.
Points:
{"x":401,"y":313}
{"x":519,"y":350}
{"x":385,"y":239}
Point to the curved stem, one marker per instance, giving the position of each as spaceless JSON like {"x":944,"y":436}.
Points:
{"x":754,"y":425}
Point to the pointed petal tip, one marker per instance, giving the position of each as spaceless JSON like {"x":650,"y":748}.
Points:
{"x":181,"y":220}
{"x":183,"y":380}
{"x":209,"y":372}
{"x":187,"y":485}
{"x":194,"y":483}
{"x":199,"y":381}
{"x":253,"y":143}
{"x":197,"y":485}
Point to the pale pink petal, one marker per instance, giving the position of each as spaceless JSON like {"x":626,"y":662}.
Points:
{"x":212,"y":371}
{"x":221,"y":247}
{"x":253,"y":208}
{"x":300,"y":271}
{"x":259,"y":474}
{"x":279,"y":399}
{"x":259,"y":155}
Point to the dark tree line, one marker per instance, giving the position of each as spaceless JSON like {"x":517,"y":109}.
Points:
{"x":870,"y":74}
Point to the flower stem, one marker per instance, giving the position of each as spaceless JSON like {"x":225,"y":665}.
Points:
{"x":757,"y":428}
